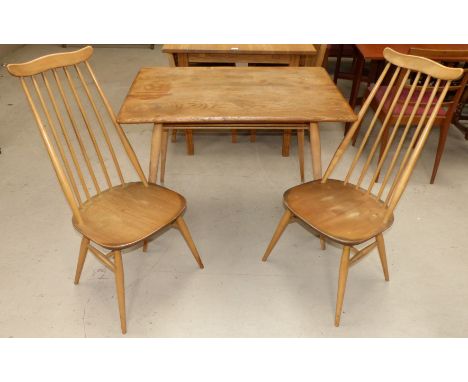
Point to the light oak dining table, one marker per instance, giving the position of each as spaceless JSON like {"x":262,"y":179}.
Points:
{"x":287,"y":54}
{"x":228,"y":97}
{"x":241,"y":55}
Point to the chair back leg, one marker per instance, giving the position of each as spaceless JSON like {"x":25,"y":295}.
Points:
{"x":343,"y":276}
{"x":383,"y":256}
{"x":119,"y":283}
{"x":188,"y":238}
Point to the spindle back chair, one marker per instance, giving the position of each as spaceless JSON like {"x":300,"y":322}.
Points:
{"x":356,"y":210}
{"x":115,"y":214}
{"x":451,"y":58}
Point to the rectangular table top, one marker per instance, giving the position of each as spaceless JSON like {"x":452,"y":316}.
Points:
{"x":302,"y":49}
{"x":375,"y":51}
{"x":234,"y":95}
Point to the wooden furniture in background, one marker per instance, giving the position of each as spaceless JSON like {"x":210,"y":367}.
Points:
{"x":340,"y":51}
{"x":286,"y":54}
{"x":150,"y":45}
{"x":242,"y":98}
{"x":243,"y":54}
{"x":452,"y":58}
{"x":460,"y":120}
{"x":374,"y":52}
{"x":347,"y":211}
{"x":108,"y":211}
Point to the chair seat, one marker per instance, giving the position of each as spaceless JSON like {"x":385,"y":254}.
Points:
{"x":124,"y":215}
{"x":409,"y":109}
{"x":341,"y":212}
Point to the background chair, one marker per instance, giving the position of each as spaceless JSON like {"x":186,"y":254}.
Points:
{"x":67,"y":101}
{"x":459,"y":118}
{"x":454,"y":58}
{"x":347,"y":211}
{"x":340,"y":51}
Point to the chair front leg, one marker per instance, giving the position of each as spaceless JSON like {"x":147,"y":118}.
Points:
{"x":81,"y":258}
{"x":188,"y":238}
{"x":343,"y":275}
{"x":279,"y":231}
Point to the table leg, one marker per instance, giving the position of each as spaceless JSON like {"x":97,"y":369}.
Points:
{"x":315,"y":152}
{"x":172,"y":58}
{"x":308,"y":60}
{"x":253,"y":135}
{"x":356,"y":84}
{"x":183,"y":61}
{"x":336,"y":73}
{"x":165,"y":138}
{"x":294,"y":60}
{"x":189,"y":141}
{"x":234,"y":136}
{"x":373,"y":72}
{"x":300,"y":151}
{"x":286,"y":142}
{"x":155,"y":151}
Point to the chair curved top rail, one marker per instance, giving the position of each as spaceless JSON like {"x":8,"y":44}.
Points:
{"x":50,"y":61}
{"x":422,"y":64}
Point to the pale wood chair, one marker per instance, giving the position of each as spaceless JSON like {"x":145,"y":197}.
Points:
{"x":347,"y":211}
{"x":452,"y":58}
{"x":108,"y":211}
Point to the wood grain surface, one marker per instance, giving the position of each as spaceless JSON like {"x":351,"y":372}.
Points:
{"x":303,"y":49}
{"x":234,"y":95}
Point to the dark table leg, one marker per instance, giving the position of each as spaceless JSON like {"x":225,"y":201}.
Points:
{"x":338,"y":63}
{"x":356,"y":84}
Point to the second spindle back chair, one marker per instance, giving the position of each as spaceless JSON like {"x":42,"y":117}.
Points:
{"x":357,"y":209}
{"x":72,"y":114}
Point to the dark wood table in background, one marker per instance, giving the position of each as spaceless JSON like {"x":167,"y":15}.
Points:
{"x":374,"y":52}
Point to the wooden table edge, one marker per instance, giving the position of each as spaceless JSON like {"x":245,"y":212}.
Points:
{"x":271,"y":124}
{"x":311,"y":52}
